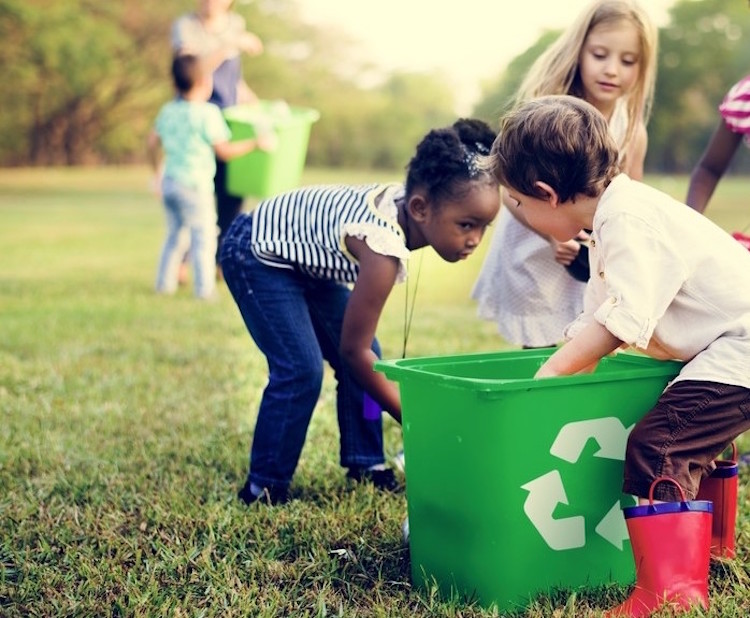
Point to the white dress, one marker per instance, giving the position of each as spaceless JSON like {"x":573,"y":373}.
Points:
{"x":521,"y":287}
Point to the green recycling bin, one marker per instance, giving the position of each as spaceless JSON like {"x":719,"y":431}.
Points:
{"x":514,"y":484}
{"x":260,"y":173}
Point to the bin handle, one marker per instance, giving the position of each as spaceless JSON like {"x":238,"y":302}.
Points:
{"x":664,"y":479}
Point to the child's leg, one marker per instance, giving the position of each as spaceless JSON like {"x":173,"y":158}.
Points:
{"x":361,"y":438}
{"x":176,"y":241}
{"x":203,"y":245}
{"x":691,"y":424}
{"x":272,"y":304}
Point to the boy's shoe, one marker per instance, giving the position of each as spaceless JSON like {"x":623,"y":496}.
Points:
{"x":384,"y":480}
{"x":269,"y":496}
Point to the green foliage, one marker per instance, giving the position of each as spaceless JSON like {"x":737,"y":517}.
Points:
{"x":497,"y":97}
{"x":84,"y":80}
{"x":703,"y":52}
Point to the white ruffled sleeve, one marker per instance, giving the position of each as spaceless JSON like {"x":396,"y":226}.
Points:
{"x":383,"y":241}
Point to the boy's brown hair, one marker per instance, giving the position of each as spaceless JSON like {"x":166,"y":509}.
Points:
{"x":187,"y":71}
{"x":558,"y":139}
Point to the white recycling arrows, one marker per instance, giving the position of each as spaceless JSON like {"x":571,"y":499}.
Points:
{"x":612,"y":527}
{"x":610,"y":434}
{"x":547,"y":491}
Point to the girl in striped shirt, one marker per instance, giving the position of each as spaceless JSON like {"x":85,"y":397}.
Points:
{"x":311,"y":270}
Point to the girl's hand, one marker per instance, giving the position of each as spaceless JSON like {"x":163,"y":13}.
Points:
{"x":566,"y":252}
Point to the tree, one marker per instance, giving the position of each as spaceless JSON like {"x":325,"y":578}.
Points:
{"x":702,"y":53}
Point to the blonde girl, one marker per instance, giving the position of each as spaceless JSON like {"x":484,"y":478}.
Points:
{"x":607,"y":57}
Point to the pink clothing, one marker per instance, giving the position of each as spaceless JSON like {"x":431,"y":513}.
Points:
{"x":735,"y":108}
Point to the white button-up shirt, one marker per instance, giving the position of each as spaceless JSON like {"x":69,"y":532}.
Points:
{"x":668,"y":281}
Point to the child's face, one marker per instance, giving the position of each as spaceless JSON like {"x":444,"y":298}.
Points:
{"x":609,"y":63}
{"x":455,"y":228}
{"x":540,"y":213}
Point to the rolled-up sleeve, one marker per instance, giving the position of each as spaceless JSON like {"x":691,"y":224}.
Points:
{"x":638,"y":275}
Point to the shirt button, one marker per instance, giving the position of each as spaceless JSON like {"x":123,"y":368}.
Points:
{"x":601,"y":274}
{"x":592,"y":242}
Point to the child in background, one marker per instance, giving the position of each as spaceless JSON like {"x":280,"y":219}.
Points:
{"x":732,"y":128}
{"x":191,"y":132}
{"x":665,"y":280}
{"x":219,"y":36}
{"x":608,"y":58}
{"x":289,"y":265}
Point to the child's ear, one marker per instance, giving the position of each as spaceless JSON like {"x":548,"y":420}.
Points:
{"x":550,"y":194}
{"x":418,"y":207}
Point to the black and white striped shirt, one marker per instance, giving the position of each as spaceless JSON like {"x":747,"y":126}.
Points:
{"x":305,"y":229}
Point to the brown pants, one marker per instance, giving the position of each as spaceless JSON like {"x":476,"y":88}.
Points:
{"x":690,"y":425}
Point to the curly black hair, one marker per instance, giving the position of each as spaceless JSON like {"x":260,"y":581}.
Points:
{"x":445,"y":160}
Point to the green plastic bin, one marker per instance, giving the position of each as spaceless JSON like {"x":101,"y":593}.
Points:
{"x":514,"y":484}
{"x":259,"y":173}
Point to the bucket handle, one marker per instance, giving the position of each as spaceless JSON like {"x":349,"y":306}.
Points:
{"x":664,"y":479}
{"x":734,"y":451}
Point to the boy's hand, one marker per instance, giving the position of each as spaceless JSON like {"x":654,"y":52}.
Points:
{"x":155,"y":185}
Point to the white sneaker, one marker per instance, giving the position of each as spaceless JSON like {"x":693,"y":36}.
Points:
{"x":399,"y":462}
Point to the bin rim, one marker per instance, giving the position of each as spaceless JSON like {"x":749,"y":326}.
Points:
{"x":298,"y":113}
{"x":415,"y":368}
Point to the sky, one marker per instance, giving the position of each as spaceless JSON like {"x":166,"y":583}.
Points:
{"x":468,"y":40}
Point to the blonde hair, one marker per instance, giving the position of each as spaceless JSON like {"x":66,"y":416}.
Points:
{"x":556,"y":71}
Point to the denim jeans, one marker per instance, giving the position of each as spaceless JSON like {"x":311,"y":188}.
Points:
{"x":295,"y":320}
{"x":191,"y":221}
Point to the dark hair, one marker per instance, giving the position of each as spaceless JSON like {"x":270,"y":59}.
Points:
{"x":446,"y":160}
{"x":557,"y":139}
{"x":186,"y":71}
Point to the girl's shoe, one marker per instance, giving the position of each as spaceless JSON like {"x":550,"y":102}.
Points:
{"x":384,"y":480}
{"x":269,"y":495}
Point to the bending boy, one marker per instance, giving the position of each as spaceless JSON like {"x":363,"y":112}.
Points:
{"x":664,"y":280}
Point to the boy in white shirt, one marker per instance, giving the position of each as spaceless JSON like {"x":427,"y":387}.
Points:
{"x":664,"y":280}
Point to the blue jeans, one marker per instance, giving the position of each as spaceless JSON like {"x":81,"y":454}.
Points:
{"x":191,"y":221}
{"x":295,"y":320}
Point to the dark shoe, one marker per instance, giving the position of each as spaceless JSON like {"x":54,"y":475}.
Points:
{"x":384,"y":480}
{"x":270,"y":495}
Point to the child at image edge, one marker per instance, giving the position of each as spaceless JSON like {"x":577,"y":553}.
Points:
{"x":311,"y":270}
{"x":192,"y":132}
{"x":666,"y":281}
{"x":607,"y":57}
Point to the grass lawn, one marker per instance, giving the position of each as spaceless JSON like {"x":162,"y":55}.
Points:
{"x":127,"y":419}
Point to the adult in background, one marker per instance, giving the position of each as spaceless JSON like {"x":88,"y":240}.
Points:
{"x":219,"y":36}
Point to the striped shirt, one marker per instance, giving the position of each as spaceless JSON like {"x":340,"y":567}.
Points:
{"x":305,"y":229}
{"x":735,"y":108}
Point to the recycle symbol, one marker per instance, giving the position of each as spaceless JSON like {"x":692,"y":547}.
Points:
{"x":547,"y":491}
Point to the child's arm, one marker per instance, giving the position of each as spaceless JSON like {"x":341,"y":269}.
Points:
{"x":154,"y":151}
{"x":230,"y":150}
{"x":711,"y":167}
{"x":376,"y":278}
{"x":582,"y":353}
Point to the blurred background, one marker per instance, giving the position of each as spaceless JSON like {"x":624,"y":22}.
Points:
{"x":82,"y":80}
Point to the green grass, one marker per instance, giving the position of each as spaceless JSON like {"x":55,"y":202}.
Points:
{"x":127,"y":417}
